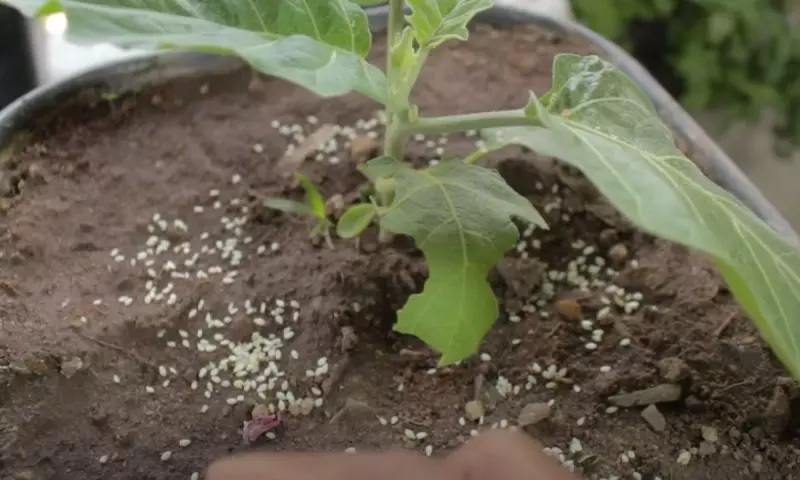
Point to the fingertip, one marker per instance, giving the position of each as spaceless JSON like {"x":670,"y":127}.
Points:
{"x":505,"y":455}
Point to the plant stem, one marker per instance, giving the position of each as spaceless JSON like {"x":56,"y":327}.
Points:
{"x":394,"y":138}
{"x":395,"y":25}
{"x":394,"y":142}
{"x":469,"y":121}
{"x":476,"y":155}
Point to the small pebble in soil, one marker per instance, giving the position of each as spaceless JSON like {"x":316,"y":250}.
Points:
{"x":166,"y":456}
{"x":684,"y":458}
{"x":654,"y":418}
{"x":103,"y":459}
{"x":569,"y":308}
{"x":709,"y":434}
{"x":533,"y":413}
{"x":659,"y":394}
{"x":575,"y":446}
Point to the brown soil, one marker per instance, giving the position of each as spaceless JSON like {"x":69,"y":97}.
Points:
{"x":76,"y":362}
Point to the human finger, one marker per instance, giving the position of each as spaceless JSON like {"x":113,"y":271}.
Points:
{"x":397,"y":465}
{"x":504,"y":455}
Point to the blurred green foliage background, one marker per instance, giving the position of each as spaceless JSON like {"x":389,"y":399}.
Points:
{"x":738,"y":55}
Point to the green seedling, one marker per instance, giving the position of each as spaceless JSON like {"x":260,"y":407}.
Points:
{"x":463,"y":216}
{"x":314,"y":207}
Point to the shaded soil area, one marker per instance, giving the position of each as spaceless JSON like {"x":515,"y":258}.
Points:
{"x":150,"y":307}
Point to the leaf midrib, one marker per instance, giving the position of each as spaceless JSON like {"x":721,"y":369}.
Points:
{"x":452,"y":208}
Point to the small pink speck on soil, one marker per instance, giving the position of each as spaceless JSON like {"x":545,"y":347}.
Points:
{"x":258,"y":426}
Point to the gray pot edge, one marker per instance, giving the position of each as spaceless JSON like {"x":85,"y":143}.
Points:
{"x":152,"y":68}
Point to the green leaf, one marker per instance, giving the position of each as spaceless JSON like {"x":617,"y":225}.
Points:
{"x":380,"y":167}
{"x":597,"y":120}
{"x":460,"y":217}
{"x":320,"y":45}
{"x":287,"y":206}
{"x":720,"y":25}
{"x":406,"y":63}
{"x":34,"y":7}
{"x":314,"y":199}
{"x":355,"y":220}
{"x":437,"y":21}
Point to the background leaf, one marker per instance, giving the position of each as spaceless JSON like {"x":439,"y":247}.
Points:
{"x":460,"y":217}
{"x":695,"y":48}
{"x":355,"y":219}
{"x":437,"y":21}
{"x":319,"y":45}
{"x":596,"y":120}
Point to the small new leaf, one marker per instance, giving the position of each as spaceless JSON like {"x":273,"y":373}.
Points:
{"x":460,"y":217}
{"x":314,"y":199}
{"x":406,"y":63}
{"x":287,"y":206}
{"x":437,"y":21}
{"x":596,"y":119}
{"x":320,"y":45}
{"x":355,"y":220}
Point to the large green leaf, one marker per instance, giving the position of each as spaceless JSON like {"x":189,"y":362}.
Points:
{"x":596,"y":119}
{"x":318,"y":44}
{"x":460,"y":217}
{"x":437,"y":21}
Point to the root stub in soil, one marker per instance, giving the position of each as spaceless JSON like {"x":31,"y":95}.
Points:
{"x":155,"y":317}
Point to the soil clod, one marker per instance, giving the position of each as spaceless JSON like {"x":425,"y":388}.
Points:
{"x":569,"y":308}
{"x":72,"y":366}
{"x":777,"y":414}
{"x":363,"y":148}
{"x":618,"y":253}
{"x":673,"y":369}
{"x":474,"y":410}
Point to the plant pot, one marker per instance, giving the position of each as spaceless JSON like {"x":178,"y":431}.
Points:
{"x":135,"y":198}
{"x":17,"y":70}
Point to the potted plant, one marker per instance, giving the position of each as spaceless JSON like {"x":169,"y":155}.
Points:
{"x":209,"y":259}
